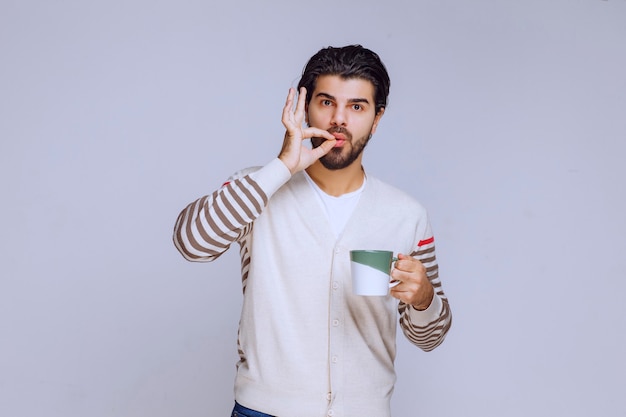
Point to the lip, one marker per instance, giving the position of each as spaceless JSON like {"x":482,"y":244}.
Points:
{"x":339,"y":136}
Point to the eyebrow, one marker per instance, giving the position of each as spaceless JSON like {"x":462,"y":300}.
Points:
{"x":352,"y":100}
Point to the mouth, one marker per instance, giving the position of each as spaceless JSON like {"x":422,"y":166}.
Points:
{"x":341,"y":139}
{"x":341,"y":135}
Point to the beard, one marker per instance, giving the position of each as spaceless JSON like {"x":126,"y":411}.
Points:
{"x":343,"y":156}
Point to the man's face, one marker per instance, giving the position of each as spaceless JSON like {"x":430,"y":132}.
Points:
{"x":346,"y":108}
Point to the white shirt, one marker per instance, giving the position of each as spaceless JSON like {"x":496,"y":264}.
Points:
{"x":338,"y":209}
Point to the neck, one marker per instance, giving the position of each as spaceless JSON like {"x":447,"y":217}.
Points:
{"x":337,"y":182}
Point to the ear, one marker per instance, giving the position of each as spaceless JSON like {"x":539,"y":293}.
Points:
{"x":377,"y":118}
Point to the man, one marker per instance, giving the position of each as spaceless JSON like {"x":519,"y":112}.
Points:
{"x":308,"y":346}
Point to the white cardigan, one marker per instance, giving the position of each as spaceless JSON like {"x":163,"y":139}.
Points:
{"x":308,"y":346}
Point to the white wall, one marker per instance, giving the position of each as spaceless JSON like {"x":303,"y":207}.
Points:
{"x":507,"y":120}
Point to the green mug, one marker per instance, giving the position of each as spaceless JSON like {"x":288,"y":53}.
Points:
{"x":371,"y":271}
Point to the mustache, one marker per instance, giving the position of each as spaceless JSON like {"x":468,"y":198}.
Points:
{"x":341,"y":130}
{"x":317,"y":141}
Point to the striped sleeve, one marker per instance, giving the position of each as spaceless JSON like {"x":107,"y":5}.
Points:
{"x":427,"y":329}
{"x":206,"y":228}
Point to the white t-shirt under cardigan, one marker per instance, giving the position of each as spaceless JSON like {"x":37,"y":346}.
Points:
{"x":338,"y":209}
{"x":308,"y":347}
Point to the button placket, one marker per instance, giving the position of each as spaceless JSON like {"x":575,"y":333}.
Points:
{"x":335,"y":322}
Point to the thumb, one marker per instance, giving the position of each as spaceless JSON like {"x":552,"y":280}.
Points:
{"x":324,"y":148}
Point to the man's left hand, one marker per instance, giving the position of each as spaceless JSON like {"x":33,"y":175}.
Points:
{"x":414,"y":287}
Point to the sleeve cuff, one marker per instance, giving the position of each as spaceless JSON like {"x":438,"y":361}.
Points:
{"x":272,"y":176}
{"x":425,"y":317}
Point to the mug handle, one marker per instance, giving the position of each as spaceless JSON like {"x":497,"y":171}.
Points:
{"x":396,"y":282}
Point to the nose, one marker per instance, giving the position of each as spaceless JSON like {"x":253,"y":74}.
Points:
{"x":339,"y":117}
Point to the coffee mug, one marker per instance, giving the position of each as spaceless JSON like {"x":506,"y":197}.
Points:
{"x":371,"y":271}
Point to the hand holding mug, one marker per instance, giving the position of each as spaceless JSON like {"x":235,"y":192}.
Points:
{"x":415,"y":287}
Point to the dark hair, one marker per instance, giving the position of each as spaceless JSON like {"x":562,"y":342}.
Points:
{"x":353,"y":61}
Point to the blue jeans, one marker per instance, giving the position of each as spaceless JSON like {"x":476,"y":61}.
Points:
{"x":241,"y":411}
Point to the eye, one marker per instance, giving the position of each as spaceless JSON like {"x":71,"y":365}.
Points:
{"x":326,"y":103}
{"x":357,"y":107}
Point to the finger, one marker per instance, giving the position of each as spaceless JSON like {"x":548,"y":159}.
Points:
{"x":402,"y":256}
{"x":324,"y":148}
{"x":405,"y":274}
{"x":398,"y":292}
{"x":287,"y":110}
{"x":316,"y":132}
{"x":406,"y":263}
{"x":300,"y":106}
{"x":397,"y":275}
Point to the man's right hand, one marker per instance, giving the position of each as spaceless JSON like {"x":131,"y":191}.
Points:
{"x":294,"y":154}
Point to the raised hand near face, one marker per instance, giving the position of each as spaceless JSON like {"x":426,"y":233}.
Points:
{"x":294,"y":154}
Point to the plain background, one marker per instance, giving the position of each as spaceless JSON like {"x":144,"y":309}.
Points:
{"x":507,"y":120}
